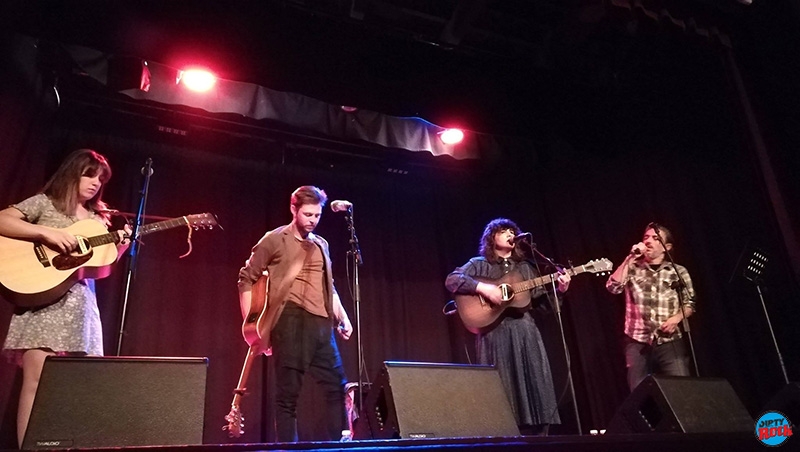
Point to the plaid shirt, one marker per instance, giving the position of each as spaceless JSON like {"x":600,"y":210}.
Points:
{"x":651,"y":298}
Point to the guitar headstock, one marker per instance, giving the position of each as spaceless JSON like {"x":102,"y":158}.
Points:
{"x":203,"y":221}
{"x":235,"y":420}
{"x":600,"y":266}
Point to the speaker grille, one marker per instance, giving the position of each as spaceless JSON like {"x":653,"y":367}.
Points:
{"x":115,"y":402}
{"x":681,"y":404}
{"x":430,"y":400}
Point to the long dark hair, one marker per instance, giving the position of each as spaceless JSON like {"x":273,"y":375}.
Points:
{"x":486,"y":248}
{"x":62,"y":188}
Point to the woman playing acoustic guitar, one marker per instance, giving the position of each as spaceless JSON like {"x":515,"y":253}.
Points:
{"x":513,"y":343}
{"x":71,"y":325}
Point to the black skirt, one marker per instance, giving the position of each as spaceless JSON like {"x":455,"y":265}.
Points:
{"x":515,"y":347}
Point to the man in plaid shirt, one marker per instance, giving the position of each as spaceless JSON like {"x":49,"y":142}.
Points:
{"x":653,"y":296}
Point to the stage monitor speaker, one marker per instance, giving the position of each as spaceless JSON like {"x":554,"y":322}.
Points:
{"x":786,"y":401}
{"x":681,"y":404}
{"x":87,"y":402}
{"x":429,"y":400}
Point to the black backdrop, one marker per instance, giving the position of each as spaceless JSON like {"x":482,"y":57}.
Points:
{"x":665,"y":144}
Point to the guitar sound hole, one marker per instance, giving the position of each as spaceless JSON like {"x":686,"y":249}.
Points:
{"x":68,"y":261}
{"x":507,"y":293}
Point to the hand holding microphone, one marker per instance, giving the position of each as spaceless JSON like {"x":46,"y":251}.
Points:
{"x":637,"y":251}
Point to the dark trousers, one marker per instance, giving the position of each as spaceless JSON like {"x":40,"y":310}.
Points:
{"x":304,"y":342}
{"x":669,"y":358}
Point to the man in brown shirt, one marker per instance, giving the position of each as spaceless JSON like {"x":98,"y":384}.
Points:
{"x":301,"y":288}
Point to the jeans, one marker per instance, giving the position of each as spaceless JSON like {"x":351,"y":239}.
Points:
{"x":304,"y":342}
{"x":669,"y":358}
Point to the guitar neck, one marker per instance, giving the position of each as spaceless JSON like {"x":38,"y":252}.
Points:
{"x":103,"y":239}
{"x":112,"y":237}
{"x":543,"y":280}
{"x":163,"y":225}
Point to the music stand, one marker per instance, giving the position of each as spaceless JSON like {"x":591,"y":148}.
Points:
{"x":756,"y":264}
{"x":753,"y":263}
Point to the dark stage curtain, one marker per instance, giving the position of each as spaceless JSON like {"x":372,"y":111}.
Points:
{"x":664,"y":145}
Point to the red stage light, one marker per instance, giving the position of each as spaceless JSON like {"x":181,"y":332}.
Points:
{"x":451,"y":136}
{"x":199,"y":80}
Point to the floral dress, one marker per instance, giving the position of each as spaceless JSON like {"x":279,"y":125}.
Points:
{"x":72,"y":324}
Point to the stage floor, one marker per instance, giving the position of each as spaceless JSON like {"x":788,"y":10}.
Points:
{"x":668,"y":442}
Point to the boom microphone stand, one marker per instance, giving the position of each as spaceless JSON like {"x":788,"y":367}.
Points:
{"x":681,"y":289}
{"x":147,"y":171}
{"x":557,"y":309}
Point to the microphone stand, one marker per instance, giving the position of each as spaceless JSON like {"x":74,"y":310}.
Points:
{"x":147,"y":171}
{"x":557,"y":309}
{"x":681,"y":292}
{"x":355,"y":253}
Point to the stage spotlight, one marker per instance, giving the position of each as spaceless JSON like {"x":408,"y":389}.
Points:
{"x":451,"y":136}
{"x":199,"y":80}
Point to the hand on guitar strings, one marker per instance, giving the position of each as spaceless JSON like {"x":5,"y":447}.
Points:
{"x":59,"y":240}
{"x":490,"y":292}
{"x":120,"y":225}
{"x":563,"y":280}
{"x":125,"y":236}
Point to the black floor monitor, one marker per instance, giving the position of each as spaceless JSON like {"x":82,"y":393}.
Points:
{"x":116,"y":402}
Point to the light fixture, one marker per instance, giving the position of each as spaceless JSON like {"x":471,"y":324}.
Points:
{"x":199,"y":80}
{"x":451,"y":136}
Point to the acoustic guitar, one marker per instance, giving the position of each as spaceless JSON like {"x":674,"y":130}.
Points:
{"x":32,"y":275}
{"x":256,"y":329}
{"x":480,"y":316}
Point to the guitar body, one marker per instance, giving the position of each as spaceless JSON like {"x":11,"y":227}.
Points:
{"x":33,"y":275}
{"x":479,"y":315}
{"x":256,"y":328}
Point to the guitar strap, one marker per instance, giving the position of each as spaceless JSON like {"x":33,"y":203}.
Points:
{"x":276,"y":304}
{"x":327,"y":289}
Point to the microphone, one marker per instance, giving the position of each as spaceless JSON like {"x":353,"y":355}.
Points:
{"x":523,"y":236}
{"x":637,"y":250}
{"x":147,"y":169}
{"x":340,"y":205}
